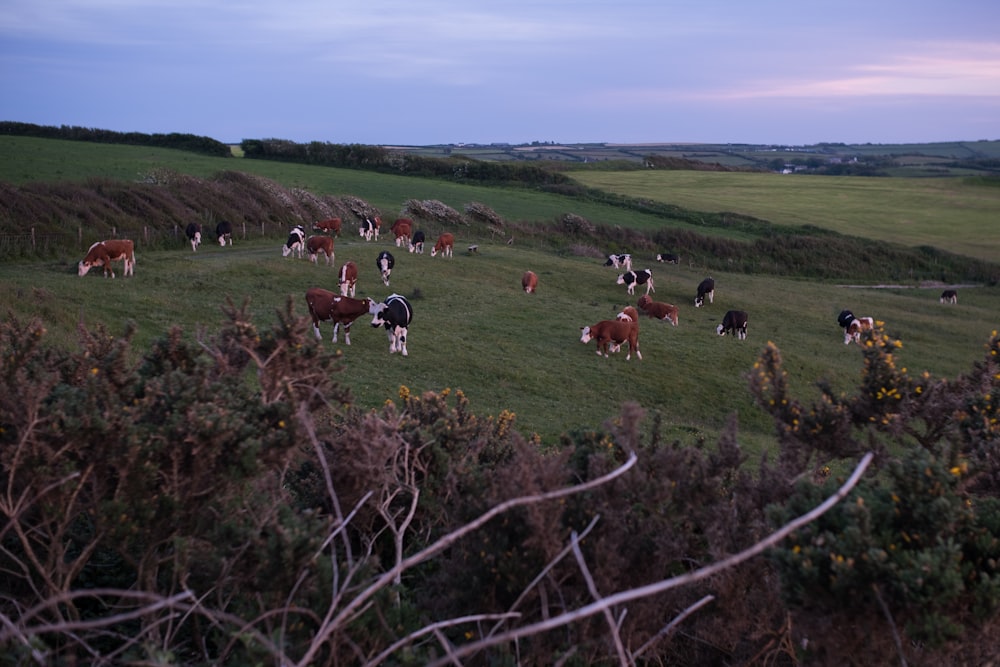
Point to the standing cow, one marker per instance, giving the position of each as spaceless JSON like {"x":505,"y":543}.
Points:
{"x":296,"y":242}
{"x":706,"y":288}
{"x":330,"y":226}
{"x":417,"y":242}
{"x":395,"y":314}
{"x":633,"y":278}
{"x":370,"y":228}
{"x":103,"y":253}
{"x":193,"y":233}
{"x":610,"y":334}
{"x":224,"y":233}
{"x":529,"y":282}
{"x":949,"y":296}
{"x":402,"y":229}
{"x":320,"y":244}
{"x":623,"y":261}
{"x":325,"y":306}
{"x":347,"y":278}
{"x":384,"y":263}
{"x":445,"y":245}
{"x":734,"y":322}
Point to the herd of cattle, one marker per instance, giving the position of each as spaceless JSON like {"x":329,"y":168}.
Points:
{"x":395,"y":313}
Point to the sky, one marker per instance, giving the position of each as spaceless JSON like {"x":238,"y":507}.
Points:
{"x":422,"y":72}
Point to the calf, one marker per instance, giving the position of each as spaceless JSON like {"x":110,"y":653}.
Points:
{"x":610,"y":334}
{"x":325,"y":306}
{"x":706,"y":288}
{"x":620,"y":261}
{"x":224,"y":233}
{"x":395,"y":314}
{"x":529,"y":282}
{"x":401,"y":230}
{"x":320,"y":244}
{"x":193,"y":233}
{"x":445,"y":245}
{"x":857,"y":326}
{"x":417,"y":242}
{"x":347,"y":278}
{"x":658,"y":309}
{"x":330,"y":226}
{"x":668,"y":257}
{"x":633,"y":278}
{"x":296,"y":242}
{"x":384,"y":263}
{"x":103,"y":253}
{"x":734,"y":322}
{"x":949,"y":296}
{"x":370,"y":228}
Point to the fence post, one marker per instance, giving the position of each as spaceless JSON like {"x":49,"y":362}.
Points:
{"x":33,"y":248}
{"x":79,"y":235}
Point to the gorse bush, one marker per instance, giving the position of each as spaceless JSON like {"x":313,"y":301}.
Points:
{"x":220,"y":500}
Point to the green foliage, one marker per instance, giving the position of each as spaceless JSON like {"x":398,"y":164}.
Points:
{"x":179,"y":141}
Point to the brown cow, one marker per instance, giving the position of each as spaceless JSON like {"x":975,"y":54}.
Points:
{"x":320,"y":244}
{"x":611,"y":334}
{"x":331,"y":226}
{"x":348,"y":278}
{"x":658,"y":309}
{"x":445,"y":245}
{"x":854,"y":329}
{"x":529,"y":282}
{"x":325,"y":306}
{"x":402,"y":229}
{"x":103,"y":253}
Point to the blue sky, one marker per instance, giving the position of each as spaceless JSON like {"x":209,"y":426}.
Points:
{"x":421,"y":72}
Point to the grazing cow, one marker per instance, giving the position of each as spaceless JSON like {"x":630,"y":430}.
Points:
{"x":620,"y":261}
{"x":845,"y":318}
{"x":330,"y":226}
{"x":706,"y":288}
{"x":193,"y":233}
{"x":325,"y":306}
{"x":445,"y":245}
{"x":417,"y":242}
{"x":668,"y":257}
{"x":384,"y":263}
{"x":734,"y":322}
{"x":224,"y":233}
{"x":370,"y":228}
{"x":529,"y":282}
{"x":949,"y":296}
{"x":610,"y":334}
{"x":395,"y":314}
{"x":347,"y":278}
{"x":401,"y":231}
{"x":103,"y":253}
{"x":633,"y":278}
{"x":854,"y":329}
{"x":296,"y":242}
{"x":658,"y":309}
{"x":320,"y":244}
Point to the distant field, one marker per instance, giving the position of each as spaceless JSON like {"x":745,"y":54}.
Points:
{"x":947,"y":213}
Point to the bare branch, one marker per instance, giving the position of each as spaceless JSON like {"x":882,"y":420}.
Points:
{"x":592,"y":587}
{"x":669,"y":627}
{"x":435,"y":627}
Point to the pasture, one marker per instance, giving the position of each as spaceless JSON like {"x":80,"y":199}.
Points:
{"x":947,"y":213}
{"x":474,"y":330}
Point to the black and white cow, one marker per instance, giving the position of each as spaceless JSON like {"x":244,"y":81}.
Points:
{"x":224,"y":233}
{"x":949,"y":296}
{"x":845,"y":318}
{"x":384,"y":263}
{"x":417,"y":241}
{"x":370,"y":228}
{"x":668,"y":257}
{"x":633,"y":278}
{"x":296,"y":242}
{"x":706,"y":288}
{"x":395,"y":314}
{"x":734,"y":322}
{"x":193,"y":233}
{"x":620,"y":261}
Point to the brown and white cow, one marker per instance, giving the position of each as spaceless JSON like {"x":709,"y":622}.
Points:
{"x":445,"y":245}
{"x":330,"y":226}
{"x":633,"y":278}
{"x":325,"y":306}
{"x":857,"y":326}
{"x":611,"y":334}
{"x":949,"y":296}
{"x":347,"y":278}
{"x":320,"y":244}
{"x":658,"y":309}
{"x":734,"y":322}
{"x":103,"y":253}
{"x":529,"y":282}
{"x":402,"y":229}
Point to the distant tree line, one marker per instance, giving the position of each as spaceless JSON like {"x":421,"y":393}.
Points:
{"x":176,"y":140}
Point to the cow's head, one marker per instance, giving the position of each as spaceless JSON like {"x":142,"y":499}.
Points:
{"x":82,"y":268}
{"x":585,"y":335}
{"x":377,"y":311}
{"x":721,"y":330}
